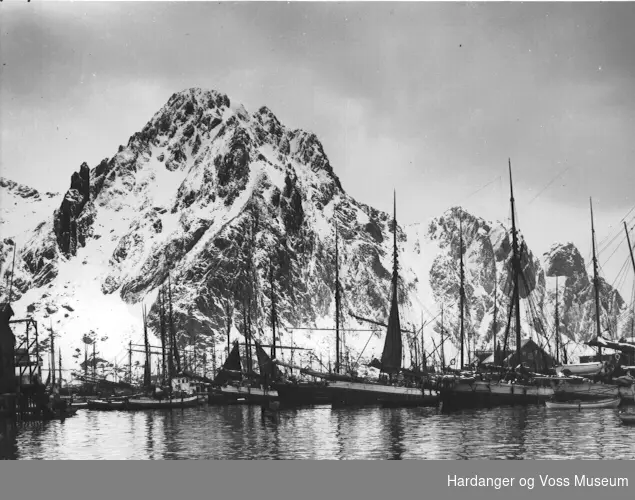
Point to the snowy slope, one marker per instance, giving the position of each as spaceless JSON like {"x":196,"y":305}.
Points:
{"x":201,"y":191}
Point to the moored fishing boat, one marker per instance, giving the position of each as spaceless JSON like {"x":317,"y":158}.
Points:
{"x":468,"y":392}
{"x":247,"y":394}
{"x":161,"y":404}
{"x":583,"y":405}
{"x":609,"y":376}
{"x":516,"y":384}
{"x":79,"y":405}
{"x":391,"y":389}
{"x":587,"y":390}
{"x":302,"y":393}
{"x":580,"y":369}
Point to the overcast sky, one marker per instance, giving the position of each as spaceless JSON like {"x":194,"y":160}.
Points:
{"x":428,"y":98}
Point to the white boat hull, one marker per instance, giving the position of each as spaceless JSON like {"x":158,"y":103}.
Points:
{"x":583,"y":405}
{"x":581,"y":369}
{"x":247,"y":395}
{"x":156,"y":404}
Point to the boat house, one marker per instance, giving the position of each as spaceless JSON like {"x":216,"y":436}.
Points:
{"x":532,"y":356}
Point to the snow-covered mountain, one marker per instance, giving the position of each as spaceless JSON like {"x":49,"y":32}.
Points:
{"x":209,"y":197}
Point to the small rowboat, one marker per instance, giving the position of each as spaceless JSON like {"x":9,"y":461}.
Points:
{"x":627,"y":418}
{"x":583,"y":405}
{"x":156,"y":404}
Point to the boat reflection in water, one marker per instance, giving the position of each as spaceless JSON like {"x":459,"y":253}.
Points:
{"x":237,"y":432}
{"x":8,"y":447}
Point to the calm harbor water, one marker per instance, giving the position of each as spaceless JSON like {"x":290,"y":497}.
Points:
{"x":239,"y":432}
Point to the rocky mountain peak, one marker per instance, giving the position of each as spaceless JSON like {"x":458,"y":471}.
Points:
{"x":564,"y":259}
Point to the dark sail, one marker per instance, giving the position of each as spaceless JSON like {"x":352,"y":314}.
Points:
{"x":268,"y":369}
{"x":391,"y":357}
{"x":233,"y":360}
{"x":231,"y":370}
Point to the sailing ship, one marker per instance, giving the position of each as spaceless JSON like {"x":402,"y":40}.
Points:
{"x":249,"y":387}
{"x":518,"y":385}
{"x":172,"y":396}
{"x":347,"y":390}
{"x":246,"y":387}
{"x":607,"y":375}
{"x":238,"y":386}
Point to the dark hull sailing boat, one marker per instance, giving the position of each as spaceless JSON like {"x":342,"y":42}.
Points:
{"x":354,"y":392}
{"x":302,"y":393}
{"x":518,"y":387}
{"x":229,"y":380}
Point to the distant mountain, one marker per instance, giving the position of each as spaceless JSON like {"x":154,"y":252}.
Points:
{"x":209,"y":197}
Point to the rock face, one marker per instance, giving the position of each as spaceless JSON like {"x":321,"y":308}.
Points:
{"x":208,"y":198}
{"x":487,"y":264}
{"x":71,"y":222}
{"x":487,"y":254}
{"x":577,"y":296}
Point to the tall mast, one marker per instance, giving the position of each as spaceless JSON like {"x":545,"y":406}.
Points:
{"x":162,"y":324}
{"x":175,"y":352}
{"x":630,"y":248}
{"x":515,"y":264}
{"x":229,"y":312}
{"x":596,"y":282}
{"x":424,"y":361}
{"x":130,"y":362}
{"x":248,"y":357}
{"x":391,"y":357}
{"x":94,"y":359}
{"x":59,"y":361}
{"x":462,"y":288}
{"x":337,"y":304}
{"x":557,"y":327}
{"x":147,"y":367}
{"x":273,"y":312}
{"x":52,"y":357}
{"x":395,"y":266}
{"x":12,"y":271}
{"x":494,"y":322}
{"x":442,"y":341}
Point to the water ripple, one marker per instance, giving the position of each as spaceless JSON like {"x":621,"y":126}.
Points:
{"x":322,"y":433}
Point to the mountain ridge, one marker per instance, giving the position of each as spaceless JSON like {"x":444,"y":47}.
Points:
{"x":203,"y":189}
